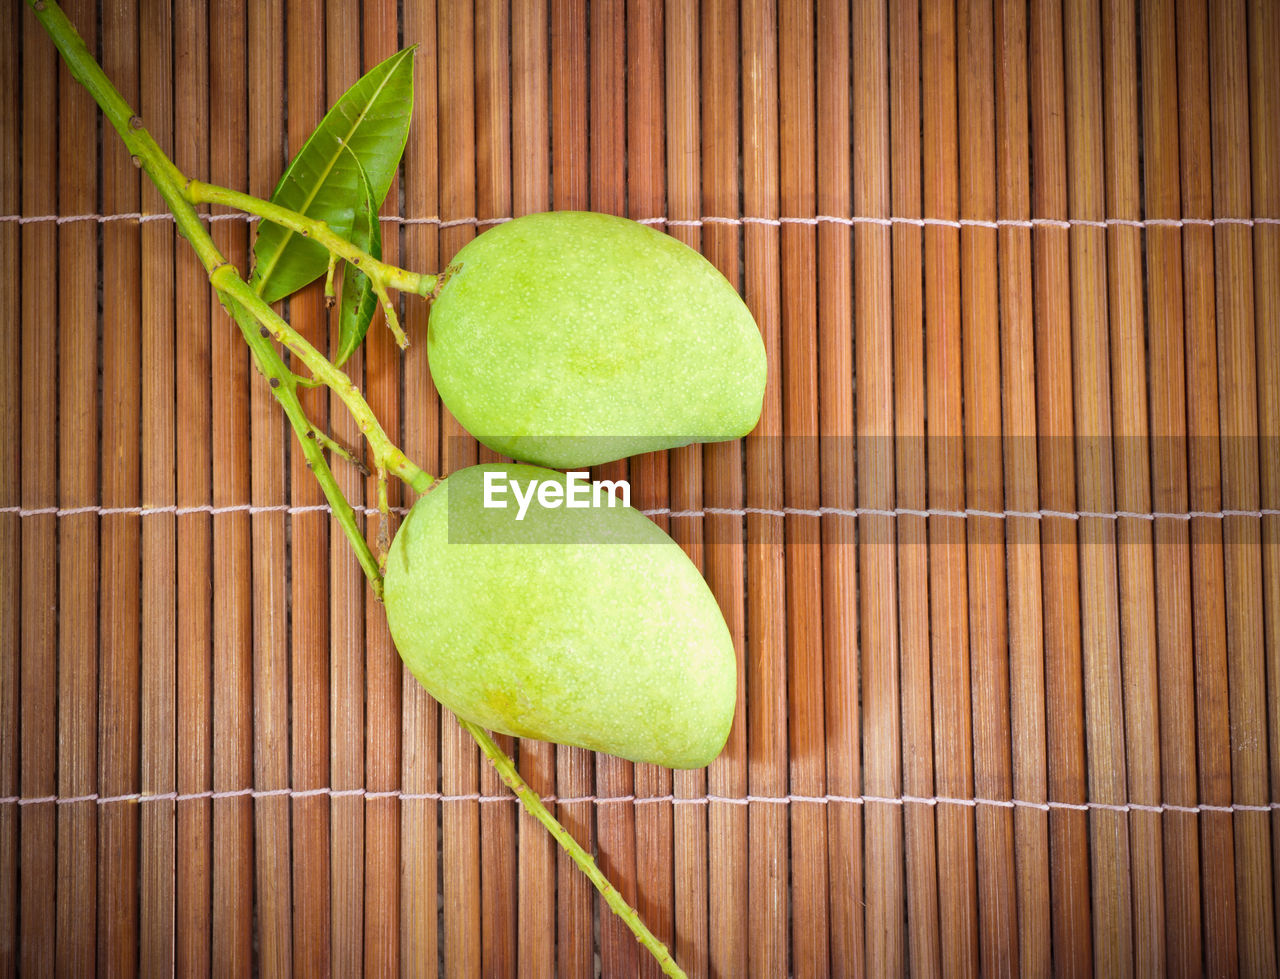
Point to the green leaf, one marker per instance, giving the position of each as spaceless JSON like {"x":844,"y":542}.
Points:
{"x":366,"y":128}
{"x":359,"y":301}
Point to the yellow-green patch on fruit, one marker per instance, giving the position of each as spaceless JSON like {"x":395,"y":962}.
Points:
{"x":571,"y":338}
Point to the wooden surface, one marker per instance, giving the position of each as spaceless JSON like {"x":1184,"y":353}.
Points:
{"x":1001,"y":561}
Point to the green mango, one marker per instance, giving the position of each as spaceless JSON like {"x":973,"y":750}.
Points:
{"x":571,"y":338}
{"x":584,"y":626}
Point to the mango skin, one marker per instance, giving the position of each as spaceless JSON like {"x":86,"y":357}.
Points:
{"x":587,"y":627}
{"x":571,"y":338}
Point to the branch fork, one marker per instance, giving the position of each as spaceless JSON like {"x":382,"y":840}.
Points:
{"x":383,"y":276}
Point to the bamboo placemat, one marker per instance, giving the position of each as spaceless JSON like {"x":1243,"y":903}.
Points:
{"x":1002,"y":559}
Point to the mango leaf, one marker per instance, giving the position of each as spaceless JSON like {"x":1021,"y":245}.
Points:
{"x":367,"y":127}
{"x":359,"y":301}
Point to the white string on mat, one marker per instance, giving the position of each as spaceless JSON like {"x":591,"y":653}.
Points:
{"x":667,"y":511}
{"x":184,"y":510}
{"x":995,"y":514}
{"x":106,"y":218}
{"x":452,"y":223}
{"x":857,"y":800}
{"x":921,"y":222}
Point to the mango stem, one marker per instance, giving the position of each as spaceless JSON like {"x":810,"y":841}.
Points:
{"x":586,"y":863}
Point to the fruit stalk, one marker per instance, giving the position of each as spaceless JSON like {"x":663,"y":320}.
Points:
{"x":402,"y":280}
{"x":507,"y":770}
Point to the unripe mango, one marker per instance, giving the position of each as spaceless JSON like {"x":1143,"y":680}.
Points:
{"x":584,"y":626}
{"x":571,"y":338}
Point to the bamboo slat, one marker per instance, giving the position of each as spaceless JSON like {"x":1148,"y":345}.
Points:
{"x":1000,"y":563}
{"x":420,"y":727}
{"x":723,"y":488}
{"x":767,"y":750}
{"x":347,"y":645}
{"x":10,"y":496}
{"x":1205,"y":484}
{"x":38,"y":490}
{"x":232,"y":674}
{"x":498,"y":882}
{"x":984,"y":484}
{"x":1131,"y":453}
{"x":605,"y":93}
{"x":458,"y":756}
{"x":1027,"y":721}
{"x":530,"y":193}
{"x":1168,"y":426}
{"x":157,"y":856}
{"x":575,"y":769}
{"x":683,"y":165}
{"x":879,"y":929}
{"x":383,"y":673}
{"x":195,"y":529}
{"x":1099,"y":621}
{"x":948,"y":573}
{"x":806,"y":753}
{"x":119,"y":622}
{"x":272,"y":832}
{"x":1065,"y":740}
{"x":644,"y":40}
{"x":836,"y":489}
{"x":78,"y":481}
{"x":919,"y":826}
{"x":1264,"y":139}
